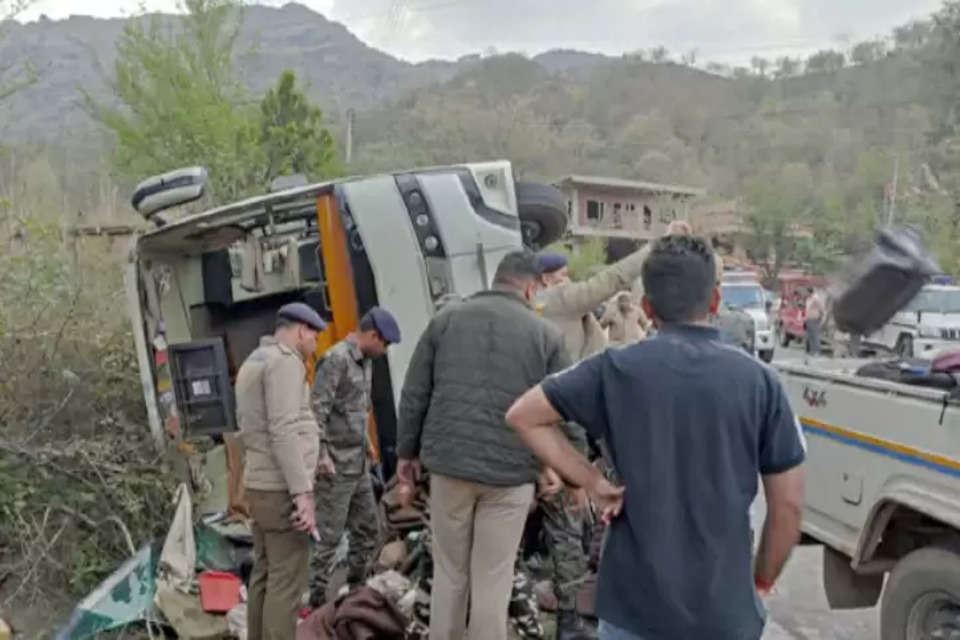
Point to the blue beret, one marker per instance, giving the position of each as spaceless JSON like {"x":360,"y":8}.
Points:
{"x":302,"y":313}
{"x":550,"y":262}
{"x":386,"y":324}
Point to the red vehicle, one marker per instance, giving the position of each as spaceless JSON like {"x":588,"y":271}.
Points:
{"x":794,"y":289}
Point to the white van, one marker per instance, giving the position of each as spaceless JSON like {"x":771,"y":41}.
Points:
{"x":929,"y":324}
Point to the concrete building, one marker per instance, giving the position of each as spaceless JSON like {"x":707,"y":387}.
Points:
{"x":614,"y":208}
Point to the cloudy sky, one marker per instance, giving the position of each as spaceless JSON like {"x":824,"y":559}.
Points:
{"x":720,"y":30}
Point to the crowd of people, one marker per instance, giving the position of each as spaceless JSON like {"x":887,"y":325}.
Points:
{"x":510,"y":396}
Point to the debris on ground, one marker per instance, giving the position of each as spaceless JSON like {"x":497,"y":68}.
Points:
{"x":193,"y":583}
{"x":123,"y":598}
{"x":362,"y":614}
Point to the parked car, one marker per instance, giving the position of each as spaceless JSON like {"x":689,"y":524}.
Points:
{"x":929,"y":323}
{"x":749,"y":297}
{"x":736,"y":328}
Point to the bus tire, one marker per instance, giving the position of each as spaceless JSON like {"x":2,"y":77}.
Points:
{"x":922,"y":596}
{"x":543,"y":213}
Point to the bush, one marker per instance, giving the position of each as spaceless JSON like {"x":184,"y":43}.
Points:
{"x":81,"y":480}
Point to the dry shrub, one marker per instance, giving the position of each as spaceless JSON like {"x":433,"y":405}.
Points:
{"x":81,"y":480}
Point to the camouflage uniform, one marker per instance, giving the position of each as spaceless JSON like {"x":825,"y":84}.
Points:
{"x":563,"y":531}
{"x":523,"y":611}
{"x":341,"y":403}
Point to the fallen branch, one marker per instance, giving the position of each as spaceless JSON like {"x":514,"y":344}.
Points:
{"x":86,"y":520}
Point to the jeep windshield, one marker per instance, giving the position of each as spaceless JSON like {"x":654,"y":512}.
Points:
{"x":936,"y":301}
{"x":743,"y":297}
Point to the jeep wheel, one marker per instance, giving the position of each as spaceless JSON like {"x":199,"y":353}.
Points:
{"x":543,"y":213}
{"x":767,"y":355}
{"x":922,"y":597}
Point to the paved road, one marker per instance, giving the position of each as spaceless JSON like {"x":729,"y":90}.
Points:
{"x":797,"y":608}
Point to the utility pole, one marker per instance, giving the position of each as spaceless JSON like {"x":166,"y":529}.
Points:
{"x":349,"y":136}
{"x":893,"y":192}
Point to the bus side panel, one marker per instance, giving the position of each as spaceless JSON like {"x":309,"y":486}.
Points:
{"x":397,"y":264}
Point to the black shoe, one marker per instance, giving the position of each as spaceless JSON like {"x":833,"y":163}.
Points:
{"x":572,"y":626}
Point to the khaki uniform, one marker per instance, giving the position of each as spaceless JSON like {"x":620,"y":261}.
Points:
{"x":282,"y":444}
{"x":624,"y":328}
{"x":341,"y":403}
{"x":570,"y":306}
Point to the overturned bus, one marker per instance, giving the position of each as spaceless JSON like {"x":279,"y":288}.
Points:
{"x":203,"y":289}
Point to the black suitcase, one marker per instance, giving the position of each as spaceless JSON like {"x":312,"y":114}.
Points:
{"x":882,"y":283}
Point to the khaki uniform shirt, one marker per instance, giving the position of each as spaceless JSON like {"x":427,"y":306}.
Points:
{"x":277,"y":427}
{"x":341,"y":404}
{"x":570,"y":306}
{"x":624,"y":328}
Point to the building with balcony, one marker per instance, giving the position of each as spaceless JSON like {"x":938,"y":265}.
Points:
{"x":623,"y":209}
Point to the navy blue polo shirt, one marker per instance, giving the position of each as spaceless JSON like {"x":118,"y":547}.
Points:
{"x":690,"y":422}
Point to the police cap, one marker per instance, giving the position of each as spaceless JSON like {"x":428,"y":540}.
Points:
{"x":550,"y":262}
{"x":386,"y":324}
{"x":302,"y":313}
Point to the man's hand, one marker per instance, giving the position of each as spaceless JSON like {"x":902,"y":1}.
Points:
{"x":325,"y":467}
{"x":548,"y":483}
{"x":303,"y":517}
{"x":608,"y":498}
{"x":408,"y":471}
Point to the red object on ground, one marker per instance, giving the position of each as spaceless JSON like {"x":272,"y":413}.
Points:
{"x":219,"y":591}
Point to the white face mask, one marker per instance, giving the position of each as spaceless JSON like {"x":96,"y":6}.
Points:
{"x":540,"y":296}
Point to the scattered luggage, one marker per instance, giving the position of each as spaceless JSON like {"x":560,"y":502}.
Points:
{"x":883,"y":282}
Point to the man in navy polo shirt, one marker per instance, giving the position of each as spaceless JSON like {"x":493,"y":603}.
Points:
{"x":690,"y":424}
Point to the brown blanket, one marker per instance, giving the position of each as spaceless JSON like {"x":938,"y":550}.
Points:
{"x":362,"y":614}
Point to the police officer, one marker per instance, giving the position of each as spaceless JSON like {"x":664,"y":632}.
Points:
{"x":344,"y":492}
{"x":282,"y":444}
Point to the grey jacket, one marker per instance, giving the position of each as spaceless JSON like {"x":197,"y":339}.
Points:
{"x":278,"y":429}
{"x":473,"y":360}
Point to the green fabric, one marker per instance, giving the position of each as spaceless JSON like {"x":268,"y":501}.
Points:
{"x":125,"y":597}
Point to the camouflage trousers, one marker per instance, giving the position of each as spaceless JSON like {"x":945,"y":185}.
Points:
{"x":344,"y":503}
{"x":523,"y":611}
{"x":563,"y":534}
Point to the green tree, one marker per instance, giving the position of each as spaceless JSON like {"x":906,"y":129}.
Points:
{"x":786,"y":67}
{"x":760,"y":65}
{"x":867,"y":52}
{"x":940,"y":61}
{"x":825,"y":62}
{"x":292,"y":136}
{"x":780,"y":207}
{"x":14,"y":74}
{"x":180,"y":100}
{"x":913,"y":35}
{"x":659,"y":54}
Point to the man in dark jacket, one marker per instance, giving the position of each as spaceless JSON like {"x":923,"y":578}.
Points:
{"x":474,"y":359}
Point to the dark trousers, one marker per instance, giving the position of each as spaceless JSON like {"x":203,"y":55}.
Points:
{"x":812,"y":331}
{"x":281,"y":562}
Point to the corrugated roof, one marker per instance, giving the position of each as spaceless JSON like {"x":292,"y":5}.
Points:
{"x":638,"y":185}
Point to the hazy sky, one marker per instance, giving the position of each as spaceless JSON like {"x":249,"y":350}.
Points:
{"x":722,"y":30}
